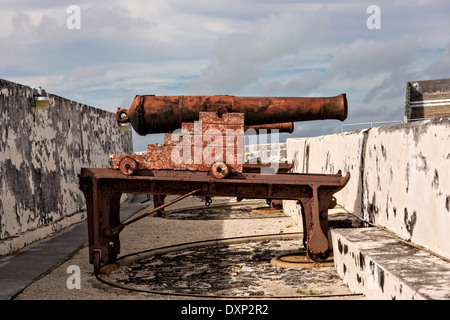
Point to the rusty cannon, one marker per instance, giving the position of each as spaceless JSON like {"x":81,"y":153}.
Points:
{"x":161,"y":114}
{"x":203,"y":155}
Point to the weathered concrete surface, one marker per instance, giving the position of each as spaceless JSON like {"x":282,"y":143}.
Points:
{"x":23,"y":267}
{"x":182,"y":229}
{"x":400,"y":177}
{"x":328,"y":154}
{"x":41,"y":154}
{"x":231,"y":270}
{"x":371,"y":261}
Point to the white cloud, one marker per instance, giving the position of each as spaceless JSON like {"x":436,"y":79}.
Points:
{"x":88,"y":72}
{"x":225,"y":47}
{"x":440,"y":68}
{"x":304,"y":84}
{"x":239,"y":58}
{"x":365,"y":58}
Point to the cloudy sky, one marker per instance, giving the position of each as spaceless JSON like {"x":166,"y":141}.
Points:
{"x":235,"y":47}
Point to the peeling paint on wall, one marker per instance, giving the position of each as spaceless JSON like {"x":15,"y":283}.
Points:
{"x":41,"y":154}
{"x":400,"y":177}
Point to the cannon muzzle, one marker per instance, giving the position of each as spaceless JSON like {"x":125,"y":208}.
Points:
{"x":162,"y":114}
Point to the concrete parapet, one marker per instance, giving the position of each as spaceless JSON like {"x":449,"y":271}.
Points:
{"x":41,"y":155}
{"x":400,"y":177}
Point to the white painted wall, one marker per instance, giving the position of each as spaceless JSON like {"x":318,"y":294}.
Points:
{"x":400,"y":176}
{"x":41,"y":155}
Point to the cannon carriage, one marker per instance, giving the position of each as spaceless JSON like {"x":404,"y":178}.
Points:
{"x":203,"y":155}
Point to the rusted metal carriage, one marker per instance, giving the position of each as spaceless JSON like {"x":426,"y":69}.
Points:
{"x":203,"y":155}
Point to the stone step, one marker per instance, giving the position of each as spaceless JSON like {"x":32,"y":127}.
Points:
{"x":374,"y":262}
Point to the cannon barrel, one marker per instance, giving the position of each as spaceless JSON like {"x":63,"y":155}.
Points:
{"x":281,"y":127}
{"x":160,"y":114}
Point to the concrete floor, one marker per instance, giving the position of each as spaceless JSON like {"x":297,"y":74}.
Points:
{"x":154,"y":232}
